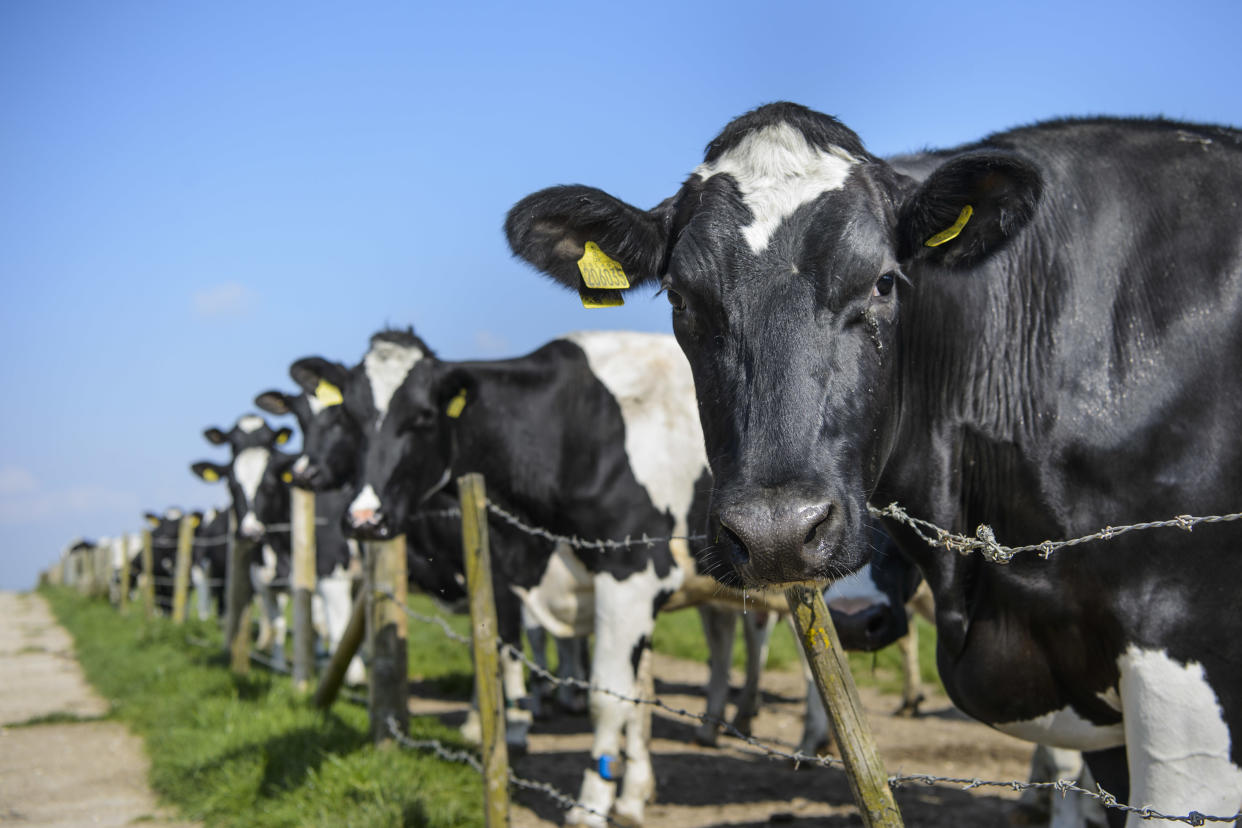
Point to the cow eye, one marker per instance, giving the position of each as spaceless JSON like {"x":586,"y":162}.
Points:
{"x":884,"y":285}
{"x":676,"y":300}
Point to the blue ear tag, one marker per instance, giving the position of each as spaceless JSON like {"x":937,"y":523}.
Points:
{"x":606,"y":766}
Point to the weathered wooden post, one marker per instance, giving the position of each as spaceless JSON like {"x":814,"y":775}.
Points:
{"x":237,"y":595}
{"x":148,"y":575}
{"x":334,"y":675}
{"x":485,"y":641}
{"x":386,"y":630}
{"x":863,"y":766}
{"x":302,"y":531}
{"x":181,"y":572}
{"x":122,"y":600}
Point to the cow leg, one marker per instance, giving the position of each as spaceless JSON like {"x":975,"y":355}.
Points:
{"x":1043,"y":806}
{"x":757,"y":627}
{"x":718,"y":626}
{"x":201,"y":597}
{"x":624,"y":621}
{"x":336,"y":594}
{"x":1177,"y":742}
{"x":912,"y":682}
{"x":639,"y":786}
{"x":573,"y":655}
{"x":1112,"y":774}
{"x":517,"y":717}
{"x":540,"y":688}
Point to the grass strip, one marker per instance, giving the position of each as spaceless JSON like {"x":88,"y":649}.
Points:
{"x":230,"y":750}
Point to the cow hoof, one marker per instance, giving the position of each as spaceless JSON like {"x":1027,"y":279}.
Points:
{"x":910,"y":707}
{"x":742,"y":723}
{"x":628,"y":813}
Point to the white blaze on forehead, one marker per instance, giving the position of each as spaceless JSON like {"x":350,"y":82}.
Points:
{"x":250,"y":423}
{"x":777,"y":172}
{"x":248,"y":468}
{"x":172,"y":514}
{"x":366,"y":501}
{"x":315,"y":405}
{"x":301,"y":464}
{"x":387,"y":364}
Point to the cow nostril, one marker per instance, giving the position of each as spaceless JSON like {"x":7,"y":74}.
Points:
{"x":876,"y":624}
{"x":738,"y":553}
{"x":817,"y":535}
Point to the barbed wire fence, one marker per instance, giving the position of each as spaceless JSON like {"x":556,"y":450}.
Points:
{"x":984,"y":543}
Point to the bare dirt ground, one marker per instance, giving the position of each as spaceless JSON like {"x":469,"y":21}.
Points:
{"x":735,"y":785}
{"x":64,"y":772}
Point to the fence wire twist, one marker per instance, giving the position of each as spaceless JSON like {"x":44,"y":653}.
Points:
{"x":798,"y":758}
{"x":984,"y":542}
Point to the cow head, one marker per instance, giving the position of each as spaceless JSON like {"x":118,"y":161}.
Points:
{"x":330,"y":437}
{"x":258,"y":475}
{"x":381,"y":397}
{"x":788,"y":258}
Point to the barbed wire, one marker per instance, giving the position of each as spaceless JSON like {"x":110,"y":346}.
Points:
{"x":798,"y":758}
{"x":564,"y":800}
{"x":582,"y":543}
{"x":984,"y":542}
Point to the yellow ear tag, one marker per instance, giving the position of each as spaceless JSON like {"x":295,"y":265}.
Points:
{"x":600,"y":298}
{"x":599,"y":271}
{"x":457,"y":405}
{"x":210,"y":475}
{"x":328,"y":394}
{"x":282,"y":437}
{"x":954,"y":231}
{"x":287,"y":477}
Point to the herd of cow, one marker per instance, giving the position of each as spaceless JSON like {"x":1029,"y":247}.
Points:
{"x":1039,"y":332}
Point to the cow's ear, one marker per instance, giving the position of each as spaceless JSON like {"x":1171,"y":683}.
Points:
{"x":969,"y":208}
{"x":273,"y":402}
{"x":455,"y":391}
{"x":552,"y":229}
{"x":215,"y":436}
{"x":283,"y":435}
{"x":321,"y":378}
{"x":210,"y":472}
{"x":152,"y":519}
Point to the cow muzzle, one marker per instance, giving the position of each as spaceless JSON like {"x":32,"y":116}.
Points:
{"x":252,"y":529}
{"x":781,"y":537}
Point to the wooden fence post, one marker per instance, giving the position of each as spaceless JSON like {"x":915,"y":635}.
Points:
{"x":122,"y":600}
{"x":237,"y":596}
{"x":148,"y":575}
{"x":181,"y":572}
{"x":334,"y":675}
{"x":485,"y":642}
{"x":386,"y":628}
{"x":863,"y":766}
{"x":302,"y":539}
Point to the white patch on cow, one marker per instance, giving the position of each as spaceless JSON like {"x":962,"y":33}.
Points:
{"x":1177,"y":741}
{"x":336,"y":594}
{"x":650,"y":379}
{"x":250,"y":423}
{"x":777,"y":172}
{"x":387,"y":364}
{"x":251,"y":526}
{"x":854,"y":593}
{"x":172,"y":514}
{"x":1111,"y":697}
{"x":300,"y":464}
{"x":367,"y":502}
{"x":210,"y":515}
{"x":316,"y":405}
{"x":563,"y":600}
{"x":248,"y":468}
{"x":1065,"y":728}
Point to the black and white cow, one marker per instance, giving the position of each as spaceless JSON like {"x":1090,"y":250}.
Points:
{"x":210,"y":562}
{"x":335,"y":448}
{"x":1039,"y":332}
{"x":257,"y":475}
{"x":164,"y":529}
{"x":592,"y":435}
{"x":337,"y":565}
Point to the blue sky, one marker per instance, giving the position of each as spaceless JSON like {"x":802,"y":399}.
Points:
{"x":194,"y":195}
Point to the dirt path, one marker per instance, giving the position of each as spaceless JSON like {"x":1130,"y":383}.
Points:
{"x":735,"y":786}
{"x":62,"y":772}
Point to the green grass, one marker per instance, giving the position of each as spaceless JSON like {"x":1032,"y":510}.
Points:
{"x":232,"y":750}
{"x":681,"y":634}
